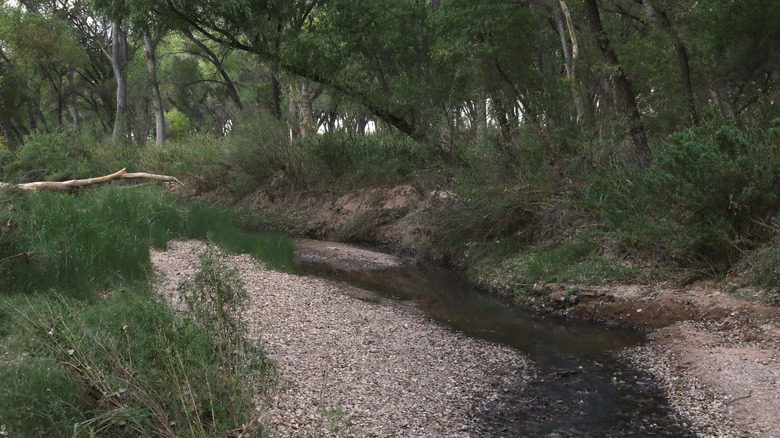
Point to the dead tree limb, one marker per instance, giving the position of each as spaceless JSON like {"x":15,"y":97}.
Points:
{"x":76,"y":183}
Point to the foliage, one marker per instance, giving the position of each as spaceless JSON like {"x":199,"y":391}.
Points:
{"x":222,"y":226}
{"x":574,"y":261}
{"x":178,"y":125}
{"x":141,"y":370}
{"x":64,"y":155}
{"x":108,"y":359}
{"x":698,"y":202}
{"x":361,"y":161}
{"x":82,"y":244}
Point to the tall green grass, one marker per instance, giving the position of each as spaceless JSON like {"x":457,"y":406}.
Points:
{"x":87,"y":350}
{"x":127,"y":366}
{"x":79,"y":244}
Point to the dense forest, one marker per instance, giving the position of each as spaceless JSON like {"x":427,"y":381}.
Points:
{"x":437,"y":71}
{"x":562,"y":142}
{"x":657,"y":116}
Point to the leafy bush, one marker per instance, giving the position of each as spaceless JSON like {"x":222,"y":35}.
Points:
{"x":766,"y":269}
{"x":178,"y":125}
{"x":698,"y":202}
{"x":54,"y":156}
{"x":64,"y":155}
{"x":260,"y":146}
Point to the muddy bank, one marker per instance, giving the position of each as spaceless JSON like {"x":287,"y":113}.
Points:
{"x":701,"y":335}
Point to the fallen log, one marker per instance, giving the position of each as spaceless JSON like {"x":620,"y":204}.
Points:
{"x":76,"y":183}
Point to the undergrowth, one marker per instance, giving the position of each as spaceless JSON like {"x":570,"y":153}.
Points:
{"x":87,"y":350}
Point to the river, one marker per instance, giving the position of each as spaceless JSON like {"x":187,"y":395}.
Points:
{"x":580,"y":386}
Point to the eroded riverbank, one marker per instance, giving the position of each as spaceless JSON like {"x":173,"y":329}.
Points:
{"x":702,"y":334}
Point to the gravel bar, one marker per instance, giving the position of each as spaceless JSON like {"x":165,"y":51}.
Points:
{"x":350,"y":368}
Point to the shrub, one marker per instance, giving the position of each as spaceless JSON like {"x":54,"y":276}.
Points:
{"x":142,"y":371}
{"x":54,"y":156}
{"x":356,"y":161}
{"x":698,"y":202}
{"x":177,"y":125}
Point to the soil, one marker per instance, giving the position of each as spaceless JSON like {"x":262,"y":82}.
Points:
{"x":715,"y":351}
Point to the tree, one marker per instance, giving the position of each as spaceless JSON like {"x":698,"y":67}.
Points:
{"x":328,"y":43}
{"x":159,"y":112}
{"x":641,"y":154}
{"x":119,"y":59}
{"x":661,"y":20}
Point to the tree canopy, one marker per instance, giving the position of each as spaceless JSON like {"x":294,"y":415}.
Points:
{"x":623,"y":70}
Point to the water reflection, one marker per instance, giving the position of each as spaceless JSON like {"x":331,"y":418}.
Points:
{"x":578,"y":389}
{"x":447,"y":297}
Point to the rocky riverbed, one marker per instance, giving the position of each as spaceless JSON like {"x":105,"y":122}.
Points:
{"x":355,"y":365}
{"x":351,"y":368}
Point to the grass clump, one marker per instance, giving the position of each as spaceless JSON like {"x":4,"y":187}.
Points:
{"x":98,"y":239}
{"x":86,"y":350}
{"x":79,"y":244}
{"x":132,"y":368}
{"x":574,"y":261}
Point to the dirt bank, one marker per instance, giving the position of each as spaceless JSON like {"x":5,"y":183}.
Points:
{"x":716,"y":354}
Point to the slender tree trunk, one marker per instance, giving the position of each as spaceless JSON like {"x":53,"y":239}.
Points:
{"x":74,"y":110}
{"x":570,"y":56}
{"x":662,"y":22}
{"x":119,"y":64}
{"x":641,"y":155}
{"x":500,"y":113}
{"x":480,"y":117}
{"x":151,"y":65}
{"x":276,"y":94}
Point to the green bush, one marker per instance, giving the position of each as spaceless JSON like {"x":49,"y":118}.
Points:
{"x":65,"y":155}
{"x":177,"y":125}
{"x":259,"y":147}
{"x":698,"y":202}
{"x":357,"y":161}
{"x":54,"y":156}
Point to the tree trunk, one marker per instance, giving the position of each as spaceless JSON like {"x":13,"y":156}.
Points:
{"x":641,"y":155}
{"x":151,"y":65}
{"x":76,"y":183}
{"x":276,"y":94}
{"x":119,"y":57}
{"x":74,"y":110}
{"x":570,"y":56}
{"x":661,"y":21}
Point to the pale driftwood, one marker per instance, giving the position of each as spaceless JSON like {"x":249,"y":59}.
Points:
{"x":75,"y":183}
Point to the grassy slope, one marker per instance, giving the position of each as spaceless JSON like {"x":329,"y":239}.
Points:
{"x":85,"y":347}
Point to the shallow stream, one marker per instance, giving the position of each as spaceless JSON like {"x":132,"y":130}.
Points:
{"x":579,"y":387}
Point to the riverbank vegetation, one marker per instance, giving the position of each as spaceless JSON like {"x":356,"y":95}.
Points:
{"x":88,"y":350}
{"x":568,"y":142}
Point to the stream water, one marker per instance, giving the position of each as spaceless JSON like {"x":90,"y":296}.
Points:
{"x":579,"y":387}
